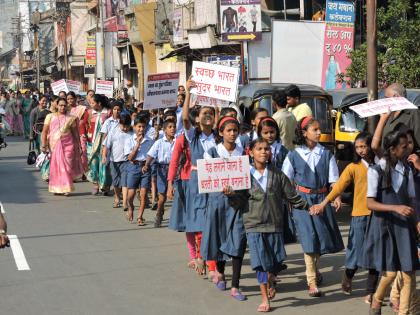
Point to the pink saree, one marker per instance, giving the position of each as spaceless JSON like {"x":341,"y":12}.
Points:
{"x":65,"y":162}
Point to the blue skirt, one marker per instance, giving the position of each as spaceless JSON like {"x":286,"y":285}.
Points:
{"x":195,"y":205}
{"x":235,"y":242}
{"x":390,"y":243}
{"x":214,"y":233}
{"x":317,"y":234}
{"x":267,"y":251}
{"x":354,"y":250}
{"x":177,"y":217}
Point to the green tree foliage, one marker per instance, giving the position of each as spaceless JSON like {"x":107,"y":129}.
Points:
{"x":399,"y":47}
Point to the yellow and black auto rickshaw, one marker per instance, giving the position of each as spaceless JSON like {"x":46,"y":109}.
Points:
{"x":259,"y":95}
{"x":348,"y":124}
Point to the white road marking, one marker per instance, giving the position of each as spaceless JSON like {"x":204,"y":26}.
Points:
{"x":2,"y":208}
{"x":18,"y":254}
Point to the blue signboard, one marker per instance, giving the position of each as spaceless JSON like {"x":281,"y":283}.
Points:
{"x":340,"y":12}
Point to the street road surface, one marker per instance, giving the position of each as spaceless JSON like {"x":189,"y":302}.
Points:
{"x":85,"y":258}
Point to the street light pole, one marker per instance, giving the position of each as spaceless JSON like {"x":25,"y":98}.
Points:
{"x":372,"y":61}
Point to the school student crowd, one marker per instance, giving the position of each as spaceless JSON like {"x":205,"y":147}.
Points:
{"x":294,"y":183}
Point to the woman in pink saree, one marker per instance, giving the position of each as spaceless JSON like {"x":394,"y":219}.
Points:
{"x":60,"y":137}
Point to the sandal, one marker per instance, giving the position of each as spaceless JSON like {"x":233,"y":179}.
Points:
{"x":319,"y":278}
{"x":346,"y":284}
{"x":264,"y":308}
{"x":191,"y":264}
{"x":141,"y":221}
{"x":211,"y":275}
{"x":200,"y":267}
{"x":314,"y":292}
{"x":116,"y":204}
{"x":271,"y":287}
{"x":95,"y":192}
{"x":221,"y":285}
{"x":377,"y":310}
{"x":237,"y":295}
{"x":395,"y":306}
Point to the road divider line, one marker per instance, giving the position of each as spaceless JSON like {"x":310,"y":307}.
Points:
{"x":18,"y":254}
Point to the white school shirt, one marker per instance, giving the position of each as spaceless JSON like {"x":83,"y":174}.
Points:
{"x":311,"y":157}
{"x":223,"y":152}
{"x":109,"y":125}
{"x":262,"y":179}
{"x":162,"y":150}
{"x":115,"y":142}
{"x":397,"y":177}
{"x":145,"y":146}
{"x":207,"y":142}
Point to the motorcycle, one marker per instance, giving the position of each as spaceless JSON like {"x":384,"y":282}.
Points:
{"x":4,"y":129}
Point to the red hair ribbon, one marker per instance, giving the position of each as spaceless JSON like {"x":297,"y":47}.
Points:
{"x":305,"y":121}
{"x":267,"y":118}
{"x":225,"y":119}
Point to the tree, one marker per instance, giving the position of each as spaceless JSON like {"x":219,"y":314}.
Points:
{"x":399,"y":47}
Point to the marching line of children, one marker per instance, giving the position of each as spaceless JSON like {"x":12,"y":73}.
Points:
{"x":291,"y":191}
{"x":219,"y":226}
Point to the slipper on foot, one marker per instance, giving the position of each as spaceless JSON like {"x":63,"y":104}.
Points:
{"x":221,"y":285}
{"x":237,"y":295}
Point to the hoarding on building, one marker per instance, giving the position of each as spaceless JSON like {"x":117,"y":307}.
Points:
{"x":338,"y":42}
{"x":240,"y":20}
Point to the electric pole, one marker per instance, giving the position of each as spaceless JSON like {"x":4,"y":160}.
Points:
{"x":17,"y":34}
{"x":372,"y":61}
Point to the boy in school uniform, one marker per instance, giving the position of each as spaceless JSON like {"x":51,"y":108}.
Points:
{"x":136,"y":148}
{"x":114,"y":147}
{"x":161,"y":152}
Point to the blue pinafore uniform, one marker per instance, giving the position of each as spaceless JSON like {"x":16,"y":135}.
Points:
{"x":317,"y":234}
{"x":390,"y":243}
{"x":178,"y":210}
{"x":278,"y":155}
{"x":224,"y":231}
{"x":195,"y":203}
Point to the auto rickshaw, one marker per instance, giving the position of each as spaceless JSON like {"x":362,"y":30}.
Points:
{"x":348,"y":124}
{"x":259,"y":95}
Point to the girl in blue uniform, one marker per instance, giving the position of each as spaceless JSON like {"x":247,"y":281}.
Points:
{"x":263,"y":219}
{"x":313,"y":169}
{"x":256,"y":115}
{"x":390,"y":244}
{"x":268,"y":130}
{"x":200,"y":139}
{"x":224,"y":232}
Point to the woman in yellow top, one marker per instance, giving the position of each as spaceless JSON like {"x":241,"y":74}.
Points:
{"x":356,"y":174}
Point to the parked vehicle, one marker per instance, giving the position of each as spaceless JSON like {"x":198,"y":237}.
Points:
{"x":259,"y":95}
{"x":347,"y":123}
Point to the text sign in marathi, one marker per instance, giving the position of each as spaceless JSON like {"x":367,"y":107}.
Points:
{"x":216,"y":174}
{"x":382,"y":106}
{"x":215,"y":81}
{"x":161,"y":90}
{"x":105,"y":87}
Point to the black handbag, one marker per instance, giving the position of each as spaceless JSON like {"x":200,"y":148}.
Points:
{"x":31,"y":155}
